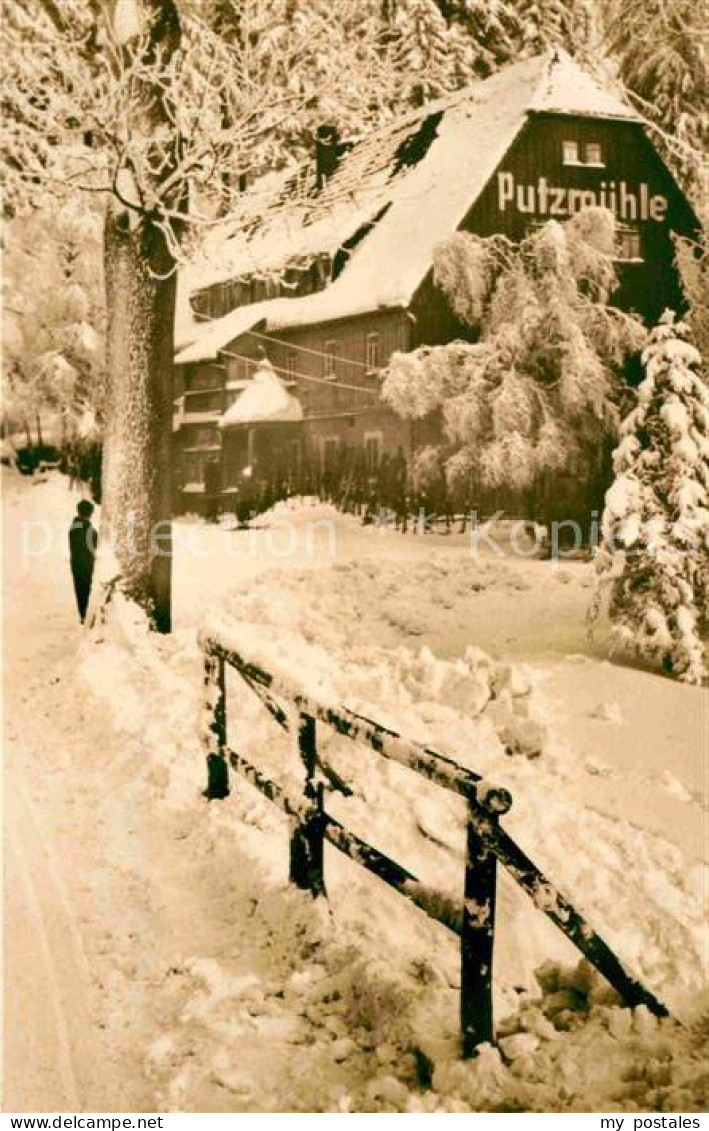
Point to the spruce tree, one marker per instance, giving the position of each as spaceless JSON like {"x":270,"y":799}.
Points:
{"x":661,"y":51}
{"x":654,"y":554}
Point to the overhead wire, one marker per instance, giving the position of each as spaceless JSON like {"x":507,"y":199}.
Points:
{"x":304,"y":349}
{"x":332,"y":382}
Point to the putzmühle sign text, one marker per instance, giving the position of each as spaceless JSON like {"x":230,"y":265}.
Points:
{"x":544,"y":199}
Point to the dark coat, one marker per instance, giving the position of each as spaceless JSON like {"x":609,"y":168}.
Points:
{"x":83,"y":541}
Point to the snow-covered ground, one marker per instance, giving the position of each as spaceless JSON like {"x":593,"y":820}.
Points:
{"x":156,"y":958}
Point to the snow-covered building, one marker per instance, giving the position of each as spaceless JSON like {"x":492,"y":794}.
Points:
{"x":338,"y":273}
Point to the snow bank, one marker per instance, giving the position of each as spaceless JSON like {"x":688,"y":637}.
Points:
{"x":366,"y":983}
{"x":364,"y":986}
{"x":478,"y":711}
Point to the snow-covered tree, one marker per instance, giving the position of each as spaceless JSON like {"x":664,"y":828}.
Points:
{"x":654,"y":554}
{"x":499,"y":31}
{"x":539,"y":386}
{"x":53,"y":316}
{"x":660,"y":49}
{"x":693,"y":265}
{"x":426,"y":46}
{"x":335,"y":62}
{"x":494,"y":31}
{"x":559,"y":23}
{"x":152,"y":107}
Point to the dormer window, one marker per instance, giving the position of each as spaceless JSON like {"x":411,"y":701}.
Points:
{"x":571,"y":153}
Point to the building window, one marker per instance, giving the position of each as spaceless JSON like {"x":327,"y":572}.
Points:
{"x":373,"y":445}
{"x":193,"y":467}
{"x":590,"y":154}
{"x":205,"y":380}
{"x":330,"y":449}
{"x":205,"y":402}
{"x":205,"y":438}
{"x":272,"y":285}
{"x":593,"y":153}
{"x":292,"y":454}
{"x":373,"y":359}
{"x":332,"y":349}
{"x":628,"y":246}
{"x":534,"y":227}
{"x":239,"y":368}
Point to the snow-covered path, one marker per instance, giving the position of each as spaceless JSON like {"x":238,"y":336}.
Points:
{"x":139,"y":953}
{"x":46,"y":1032}
{"x":84,"y":935}
{"x":155,"y":959}
{"x":54,"y":1042}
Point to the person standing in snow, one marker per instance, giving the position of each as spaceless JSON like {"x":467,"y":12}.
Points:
{"x":83,"y":541}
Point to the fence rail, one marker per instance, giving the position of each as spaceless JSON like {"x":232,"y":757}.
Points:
{"x":487,"y":843}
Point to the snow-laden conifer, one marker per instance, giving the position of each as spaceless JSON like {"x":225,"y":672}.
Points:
{"x":661,"y":51}
{"x":654,"y":554}
{"x":53,"y":317}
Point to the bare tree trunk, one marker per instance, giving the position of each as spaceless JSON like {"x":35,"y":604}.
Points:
{"x":136,"y":468}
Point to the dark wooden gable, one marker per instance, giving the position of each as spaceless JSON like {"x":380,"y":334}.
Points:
{"x":533,"y":183}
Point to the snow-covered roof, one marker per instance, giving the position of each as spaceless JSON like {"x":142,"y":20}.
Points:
{"x":265,"y":400}
{"x":413,"y":181}
{"x":566,"y":88}
{"x":210,"y":337}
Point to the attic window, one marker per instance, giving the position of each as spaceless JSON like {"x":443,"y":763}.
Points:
{"x":594,"y":154}
{"x":590,"y":153}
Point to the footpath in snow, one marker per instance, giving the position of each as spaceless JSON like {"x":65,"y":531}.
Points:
{"x":156,"y":958}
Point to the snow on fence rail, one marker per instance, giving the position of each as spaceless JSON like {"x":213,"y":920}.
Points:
{"x":487,"y":843}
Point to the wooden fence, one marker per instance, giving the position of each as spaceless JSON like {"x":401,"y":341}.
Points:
{"x":487,"y":843}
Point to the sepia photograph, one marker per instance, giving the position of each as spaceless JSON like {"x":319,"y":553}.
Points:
{"x":355,"y":511}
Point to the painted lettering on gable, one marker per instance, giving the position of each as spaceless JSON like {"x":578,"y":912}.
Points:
{"x":626,"y":202}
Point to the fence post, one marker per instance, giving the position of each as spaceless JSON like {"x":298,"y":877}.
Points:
{"x":307,"y":841}
{"x":214,"y":735}
{"x":477,"y":936}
